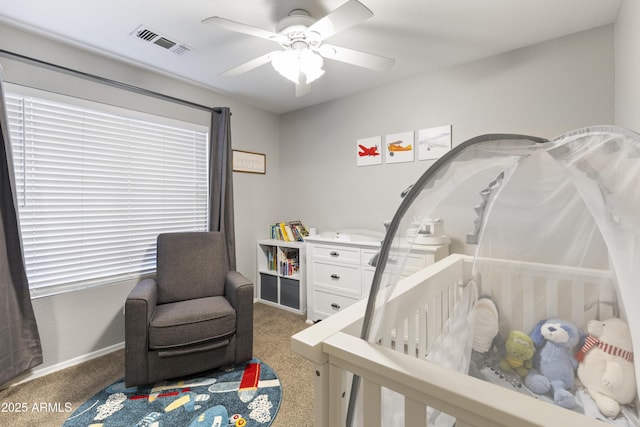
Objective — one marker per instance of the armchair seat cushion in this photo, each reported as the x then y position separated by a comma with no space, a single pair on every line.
190,322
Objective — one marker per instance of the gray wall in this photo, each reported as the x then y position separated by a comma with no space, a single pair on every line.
628,65
75,324
542,90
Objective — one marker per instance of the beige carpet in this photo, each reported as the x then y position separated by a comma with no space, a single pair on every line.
46,399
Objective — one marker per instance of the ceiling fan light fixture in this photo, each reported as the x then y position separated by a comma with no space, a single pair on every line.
311,65
291,64
286,63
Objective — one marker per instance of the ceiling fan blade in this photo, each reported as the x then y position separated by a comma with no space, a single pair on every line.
345,16
356,57
243,28
248,66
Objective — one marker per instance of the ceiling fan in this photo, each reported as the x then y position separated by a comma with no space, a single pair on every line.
302,38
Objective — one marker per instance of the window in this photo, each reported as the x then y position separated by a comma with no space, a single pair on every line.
95,186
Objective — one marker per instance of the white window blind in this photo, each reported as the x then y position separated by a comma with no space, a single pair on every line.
95,189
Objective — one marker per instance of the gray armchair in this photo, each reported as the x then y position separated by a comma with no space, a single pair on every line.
194,316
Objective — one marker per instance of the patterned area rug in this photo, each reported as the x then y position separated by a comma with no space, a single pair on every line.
248,396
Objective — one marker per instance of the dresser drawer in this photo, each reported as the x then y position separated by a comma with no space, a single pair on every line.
325,303
414,261
367,256
343,278
337,254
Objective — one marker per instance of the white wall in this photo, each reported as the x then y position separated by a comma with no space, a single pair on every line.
542,90
75,324
627,61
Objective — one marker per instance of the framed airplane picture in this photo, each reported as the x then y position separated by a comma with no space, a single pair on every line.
368,151
434,142
399,147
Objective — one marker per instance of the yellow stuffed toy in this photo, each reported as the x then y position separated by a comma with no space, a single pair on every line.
519,351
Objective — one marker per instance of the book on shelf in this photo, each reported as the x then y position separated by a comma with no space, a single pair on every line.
292,231
289,262
272,258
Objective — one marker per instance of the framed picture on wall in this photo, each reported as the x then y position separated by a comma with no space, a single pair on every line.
368,151
399,147
434,142
249,162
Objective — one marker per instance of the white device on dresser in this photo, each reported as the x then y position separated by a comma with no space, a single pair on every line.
339,273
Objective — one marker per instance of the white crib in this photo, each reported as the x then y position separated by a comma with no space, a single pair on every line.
427,298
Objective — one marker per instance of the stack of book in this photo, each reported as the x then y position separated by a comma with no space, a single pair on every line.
292,231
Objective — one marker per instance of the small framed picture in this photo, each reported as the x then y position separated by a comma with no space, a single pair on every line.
434,142
399,147
368,151
249,162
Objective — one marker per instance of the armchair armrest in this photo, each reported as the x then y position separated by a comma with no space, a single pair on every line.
142,299
239,292
237,288
138,310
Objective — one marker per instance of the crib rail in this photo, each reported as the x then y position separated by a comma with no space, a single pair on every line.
527,292
424,384
421,305
309,343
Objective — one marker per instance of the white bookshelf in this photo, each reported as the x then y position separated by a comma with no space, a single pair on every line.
281,274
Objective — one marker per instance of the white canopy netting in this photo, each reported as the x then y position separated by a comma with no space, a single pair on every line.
572,202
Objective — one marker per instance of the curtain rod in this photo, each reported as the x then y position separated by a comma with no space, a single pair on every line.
107,81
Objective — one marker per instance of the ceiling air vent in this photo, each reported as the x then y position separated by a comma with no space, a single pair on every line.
151,36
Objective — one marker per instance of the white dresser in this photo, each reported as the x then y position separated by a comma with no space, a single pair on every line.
339,273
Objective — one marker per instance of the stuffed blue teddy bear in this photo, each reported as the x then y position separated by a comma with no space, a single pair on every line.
554,364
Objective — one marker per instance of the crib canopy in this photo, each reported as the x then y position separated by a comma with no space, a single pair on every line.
571,201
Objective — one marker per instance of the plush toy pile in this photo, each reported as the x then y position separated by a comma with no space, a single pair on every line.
555,359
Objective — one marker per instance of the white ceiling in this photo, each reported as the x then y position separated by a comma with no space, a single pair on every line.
421,35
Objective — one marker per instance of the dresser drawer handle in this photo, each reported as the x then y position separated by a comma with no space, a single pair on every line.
335,277
334,254
393,261
335,306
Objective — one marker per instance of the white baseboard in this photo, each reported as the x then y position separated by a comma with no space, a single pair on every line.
41,372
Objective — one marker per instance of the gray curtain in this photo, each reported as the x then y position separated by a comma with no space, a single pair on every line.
20,348
221,180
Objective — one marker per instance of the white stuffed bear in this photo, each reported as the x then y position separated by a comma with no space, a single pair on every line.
606,369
